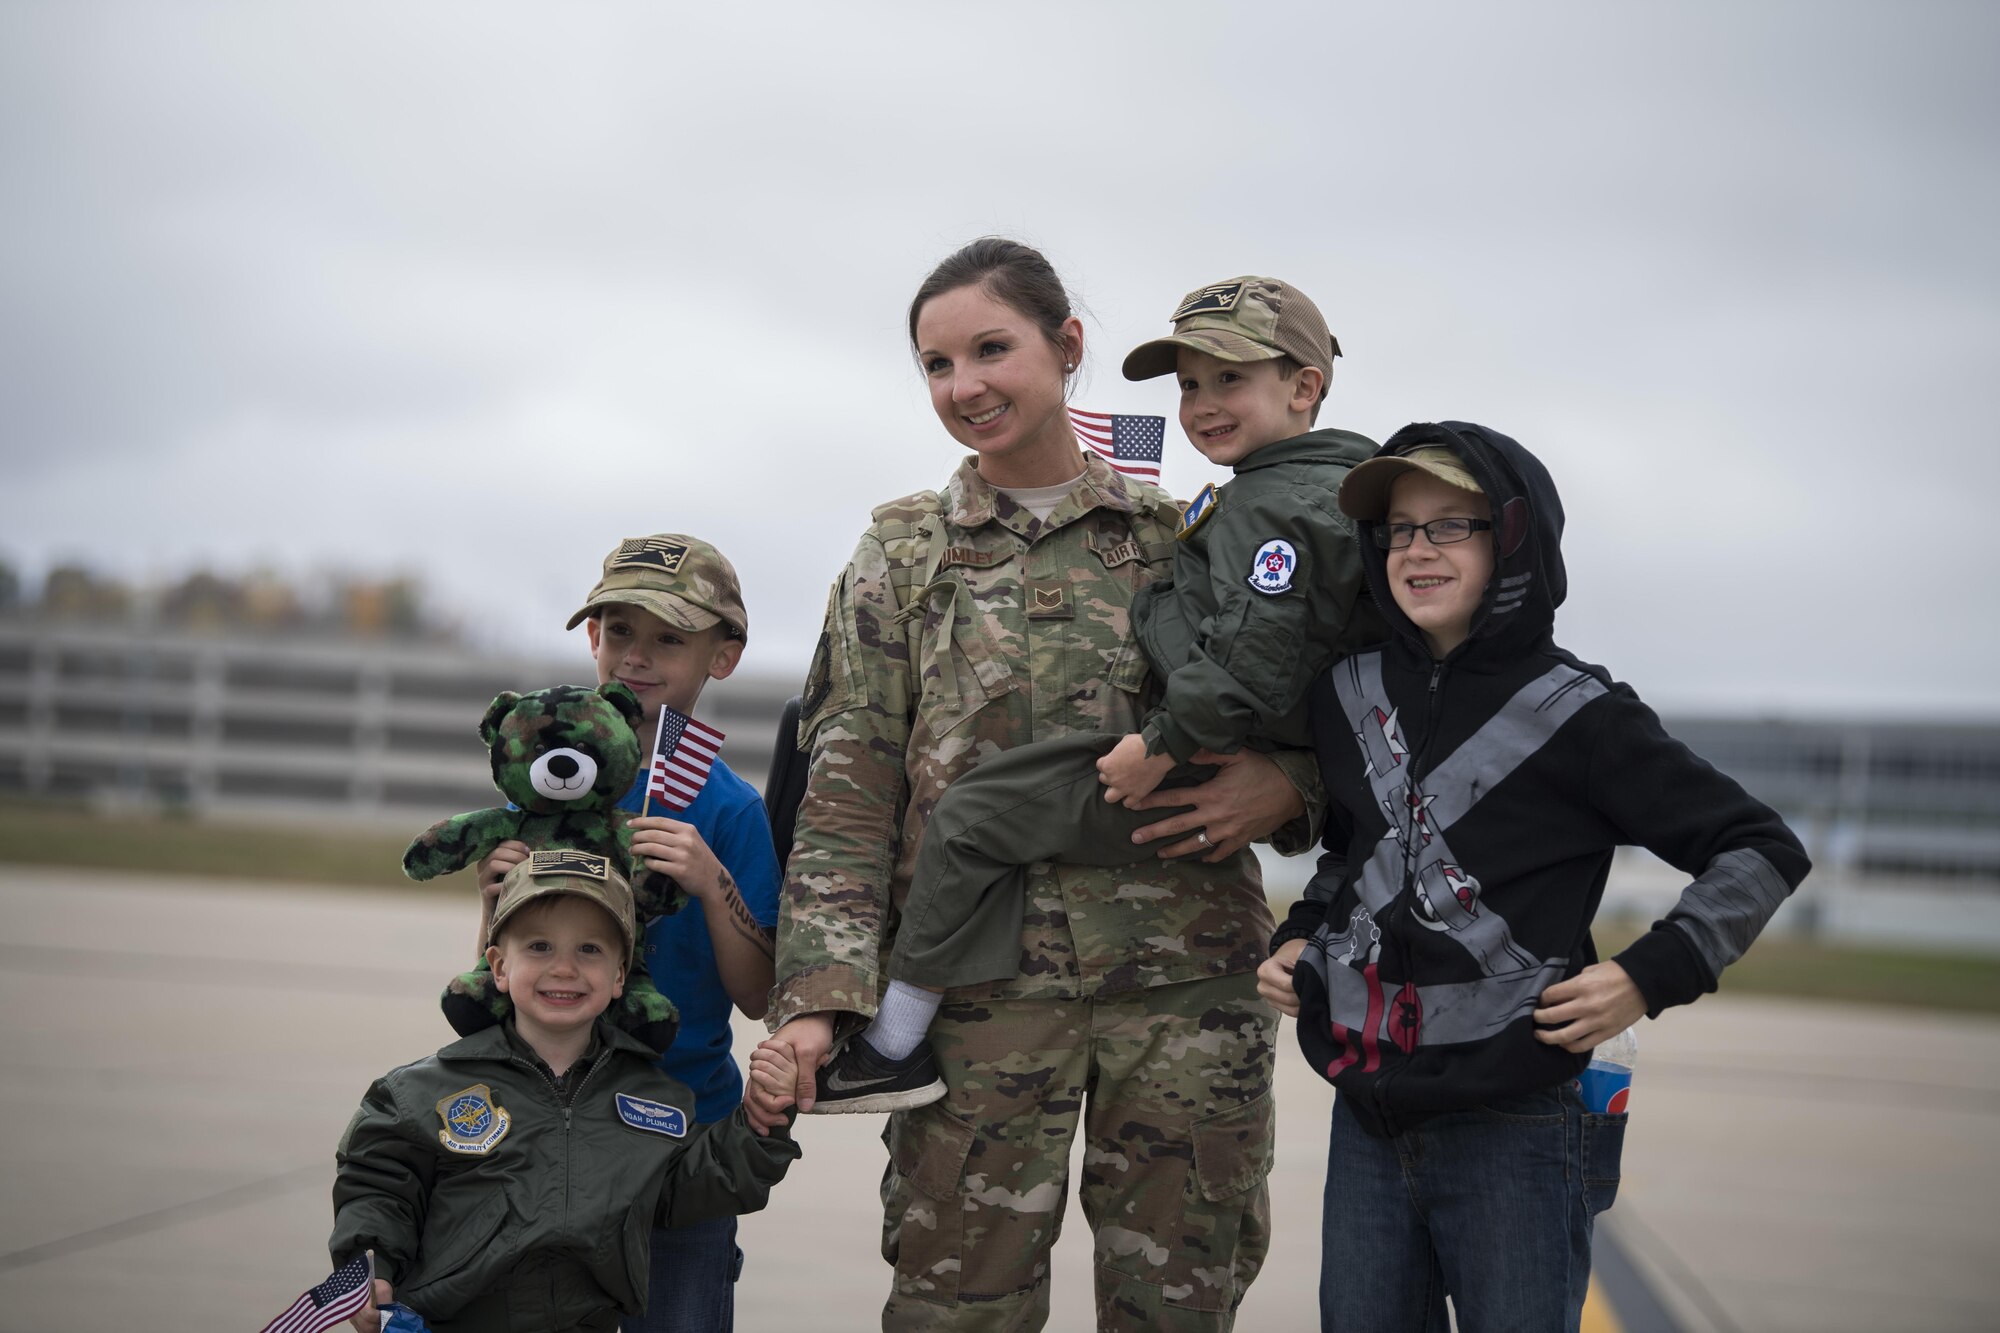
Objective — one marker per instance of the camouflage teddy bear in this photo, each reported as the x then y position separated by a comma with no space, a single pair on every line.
563,756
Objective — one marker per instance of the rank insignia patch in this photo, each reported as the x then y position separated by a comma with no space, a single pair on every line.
1197,509
1048,599
1272,569
589,865
650,553
653,1117
473,1123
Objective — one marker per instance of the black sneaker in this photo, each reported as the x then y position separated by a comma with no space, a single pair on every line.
860,1078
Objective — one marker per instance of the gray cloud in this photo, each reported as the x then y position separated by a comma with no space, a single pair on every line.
478,290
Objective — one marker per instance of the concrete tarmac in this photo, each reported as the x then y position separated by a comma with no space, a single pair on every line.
180,1058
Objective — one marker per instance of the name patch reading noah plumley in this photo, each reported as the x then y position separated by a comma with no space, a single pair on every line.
653,1117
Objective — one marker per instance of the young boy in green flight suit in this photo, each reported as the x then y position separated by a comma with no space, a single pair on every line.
511,1180
1266,591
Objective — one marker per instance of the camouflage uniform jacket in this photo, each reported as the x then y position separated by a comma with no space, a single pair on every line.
1267,590
963,627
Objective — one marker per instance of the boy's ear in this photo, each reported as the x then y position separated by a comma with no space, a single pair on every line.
593,626
727,654
1306,385
489,726
495,962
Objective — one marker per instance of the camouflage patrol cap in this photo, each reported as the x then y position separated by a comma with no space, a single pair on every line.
580,874
682,580
1242,319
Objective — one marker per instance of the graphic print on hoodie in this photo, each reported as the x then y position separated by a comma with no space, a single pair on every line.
1475,805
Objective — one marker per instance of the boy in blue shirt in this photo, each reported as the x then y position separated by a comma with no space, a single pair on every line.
666,618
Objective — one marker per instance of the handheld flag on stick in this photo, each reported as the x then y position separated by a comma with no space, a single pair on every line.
682,753
332,1302
1132,445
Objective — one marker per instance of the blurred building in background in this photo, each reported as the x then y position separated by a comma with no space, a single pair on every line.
248,699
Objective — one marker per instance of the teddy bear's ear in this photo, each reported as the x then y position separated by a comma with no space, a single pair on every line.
622,698
489,726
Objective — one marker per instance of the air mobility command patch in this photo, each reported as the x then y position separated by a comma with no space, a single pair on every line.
661,553
1197,509
653,1117
1272,569
473,1123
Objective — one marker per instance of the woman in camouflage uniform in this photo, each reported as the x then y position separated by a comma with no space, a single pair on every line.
968,622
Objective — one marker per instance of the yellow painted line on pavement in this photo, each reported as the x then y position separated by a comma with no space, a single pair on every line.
1598,1316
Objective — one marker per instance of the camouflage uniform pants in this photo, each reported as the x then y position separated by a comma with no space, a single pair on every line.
1171,1088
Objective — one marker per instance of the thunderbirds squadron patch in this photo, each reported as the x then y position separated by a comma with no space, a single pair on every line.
1272,569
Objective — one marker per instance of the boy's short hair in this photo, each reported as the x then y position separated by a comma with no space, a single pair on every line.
681,579
549,874
1242,319
1364,494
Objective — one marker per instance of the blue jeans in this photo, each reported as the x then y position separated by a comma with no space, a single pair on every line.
692,1287
1493,1205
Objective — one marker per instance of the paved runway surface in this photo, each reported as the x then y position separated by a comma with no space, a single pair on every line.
180,1059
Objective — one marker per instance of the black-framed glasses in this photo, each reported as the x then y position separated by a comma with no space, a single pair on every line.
1438,532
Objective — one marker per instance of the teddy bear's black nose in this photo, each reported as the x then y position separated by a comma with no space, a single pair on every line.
562,766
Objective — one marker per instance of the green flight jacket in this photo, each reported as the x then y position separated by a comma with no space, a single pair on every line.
452,1206
1266,592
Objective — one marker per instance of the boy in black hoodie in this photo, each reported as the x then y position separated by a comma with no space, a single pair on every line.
1440,964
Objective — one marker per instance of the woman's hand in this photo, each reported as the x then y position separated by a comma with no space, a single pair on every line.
810,1037
1274,978
1248,798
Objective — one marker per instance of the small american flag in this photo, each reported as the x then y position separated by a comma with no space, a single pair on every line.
682,754
1132,445
331,1302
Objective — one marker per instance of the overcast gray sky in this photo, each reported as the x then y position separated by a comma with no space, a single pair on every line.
474,291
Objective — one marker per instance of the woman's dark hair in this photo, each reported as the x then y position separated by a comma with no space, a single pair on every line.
1013,273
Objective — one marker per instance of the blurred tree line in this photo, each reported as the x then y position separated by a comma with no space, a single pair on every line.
262,601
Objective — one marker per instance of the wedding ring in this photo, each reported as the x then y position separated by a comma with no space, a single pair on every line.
1201,836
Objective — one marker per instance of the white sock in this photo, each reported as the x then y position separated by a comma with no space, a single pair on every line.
903,1019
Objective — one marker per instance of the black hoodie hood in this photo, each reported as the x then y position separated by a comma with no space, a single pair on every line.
1528,583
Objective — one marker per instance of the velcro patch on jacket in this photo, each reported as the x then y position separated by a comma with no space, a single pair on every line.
1049,599
473,1121
1124,553
1271,569
971,557
1197,509
653,1117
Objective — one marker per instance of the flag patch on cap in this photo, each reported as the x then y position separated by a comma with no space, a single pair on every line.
586,864
650,553
1222,296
